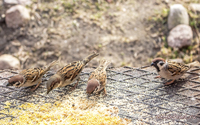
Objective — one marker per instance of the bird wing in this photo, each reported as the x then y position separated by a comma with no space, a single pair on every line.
177,68
100,75
92,75
71,71
102,80
33,74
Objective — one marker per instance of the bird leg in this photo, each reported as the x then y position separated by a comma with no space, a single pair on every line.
104,90
32,90
78,79
168,83
157,77
17,84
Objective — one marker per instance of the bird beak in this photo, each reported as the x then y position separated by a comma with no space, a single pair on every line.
152,64
88,92
48,91
8,84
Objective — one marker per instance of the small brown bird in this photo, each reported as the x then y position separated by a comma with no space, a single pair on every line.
29,77
68,74
98,78
171,70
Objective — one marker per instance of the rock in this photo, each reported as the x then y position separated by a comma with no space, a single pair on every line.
15,2
177,60
9,62
180,36
17,16
195,7
2,43
177,15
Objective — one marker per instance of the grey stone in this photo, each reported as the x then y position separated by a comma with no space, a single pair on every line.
2,43
177,15
177,60
194,7
180,36
17,16
15,2
9,62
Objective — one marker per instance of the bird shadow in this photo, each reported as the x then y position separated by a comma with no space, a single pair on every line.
173,88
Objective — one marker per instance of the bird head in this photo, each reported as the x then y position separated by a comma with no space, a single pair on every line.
15,79
53,82
158,63
92,86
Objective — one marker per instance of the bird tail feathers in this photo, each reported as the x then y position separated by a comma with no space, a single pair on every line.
90,57
194,64
51,65
104,63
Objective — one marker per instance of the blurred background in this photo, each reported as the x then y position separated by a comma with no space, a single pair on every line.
126,32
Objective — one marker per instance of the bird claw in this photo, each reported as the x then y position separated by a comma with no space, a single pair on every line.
33,89
157,77
105,95
168,83
74,87
36,87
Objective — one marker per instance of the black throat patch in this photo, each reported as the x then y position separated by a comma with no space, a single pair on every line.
156,65
157,68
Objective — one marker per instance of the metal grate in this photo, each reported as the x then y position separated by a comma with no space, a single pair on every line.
133,90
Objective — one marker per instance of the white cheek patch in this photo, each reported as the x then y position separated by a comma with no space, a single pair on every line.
166,66
159,66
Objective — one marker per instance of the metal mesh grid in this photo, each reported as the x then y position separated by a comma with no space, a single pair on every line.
133,90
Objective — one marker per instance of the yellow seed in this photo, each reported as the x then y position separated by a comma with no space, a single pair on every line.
83,113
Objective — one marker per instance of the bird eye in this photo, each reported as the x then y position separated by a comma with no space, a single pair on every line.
161,63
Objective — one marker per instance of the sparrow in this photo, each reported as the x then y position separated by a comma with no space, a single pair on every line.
29,77
68,74
98,79
171,70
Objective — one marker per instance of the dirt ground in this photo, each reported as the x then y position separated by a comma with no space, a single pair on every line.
125,32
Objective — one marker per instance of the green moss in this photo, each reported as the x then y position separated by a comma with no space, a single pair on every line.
100,45
176,53
56,8
190,47
123,63
192,23
96,16
165,12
